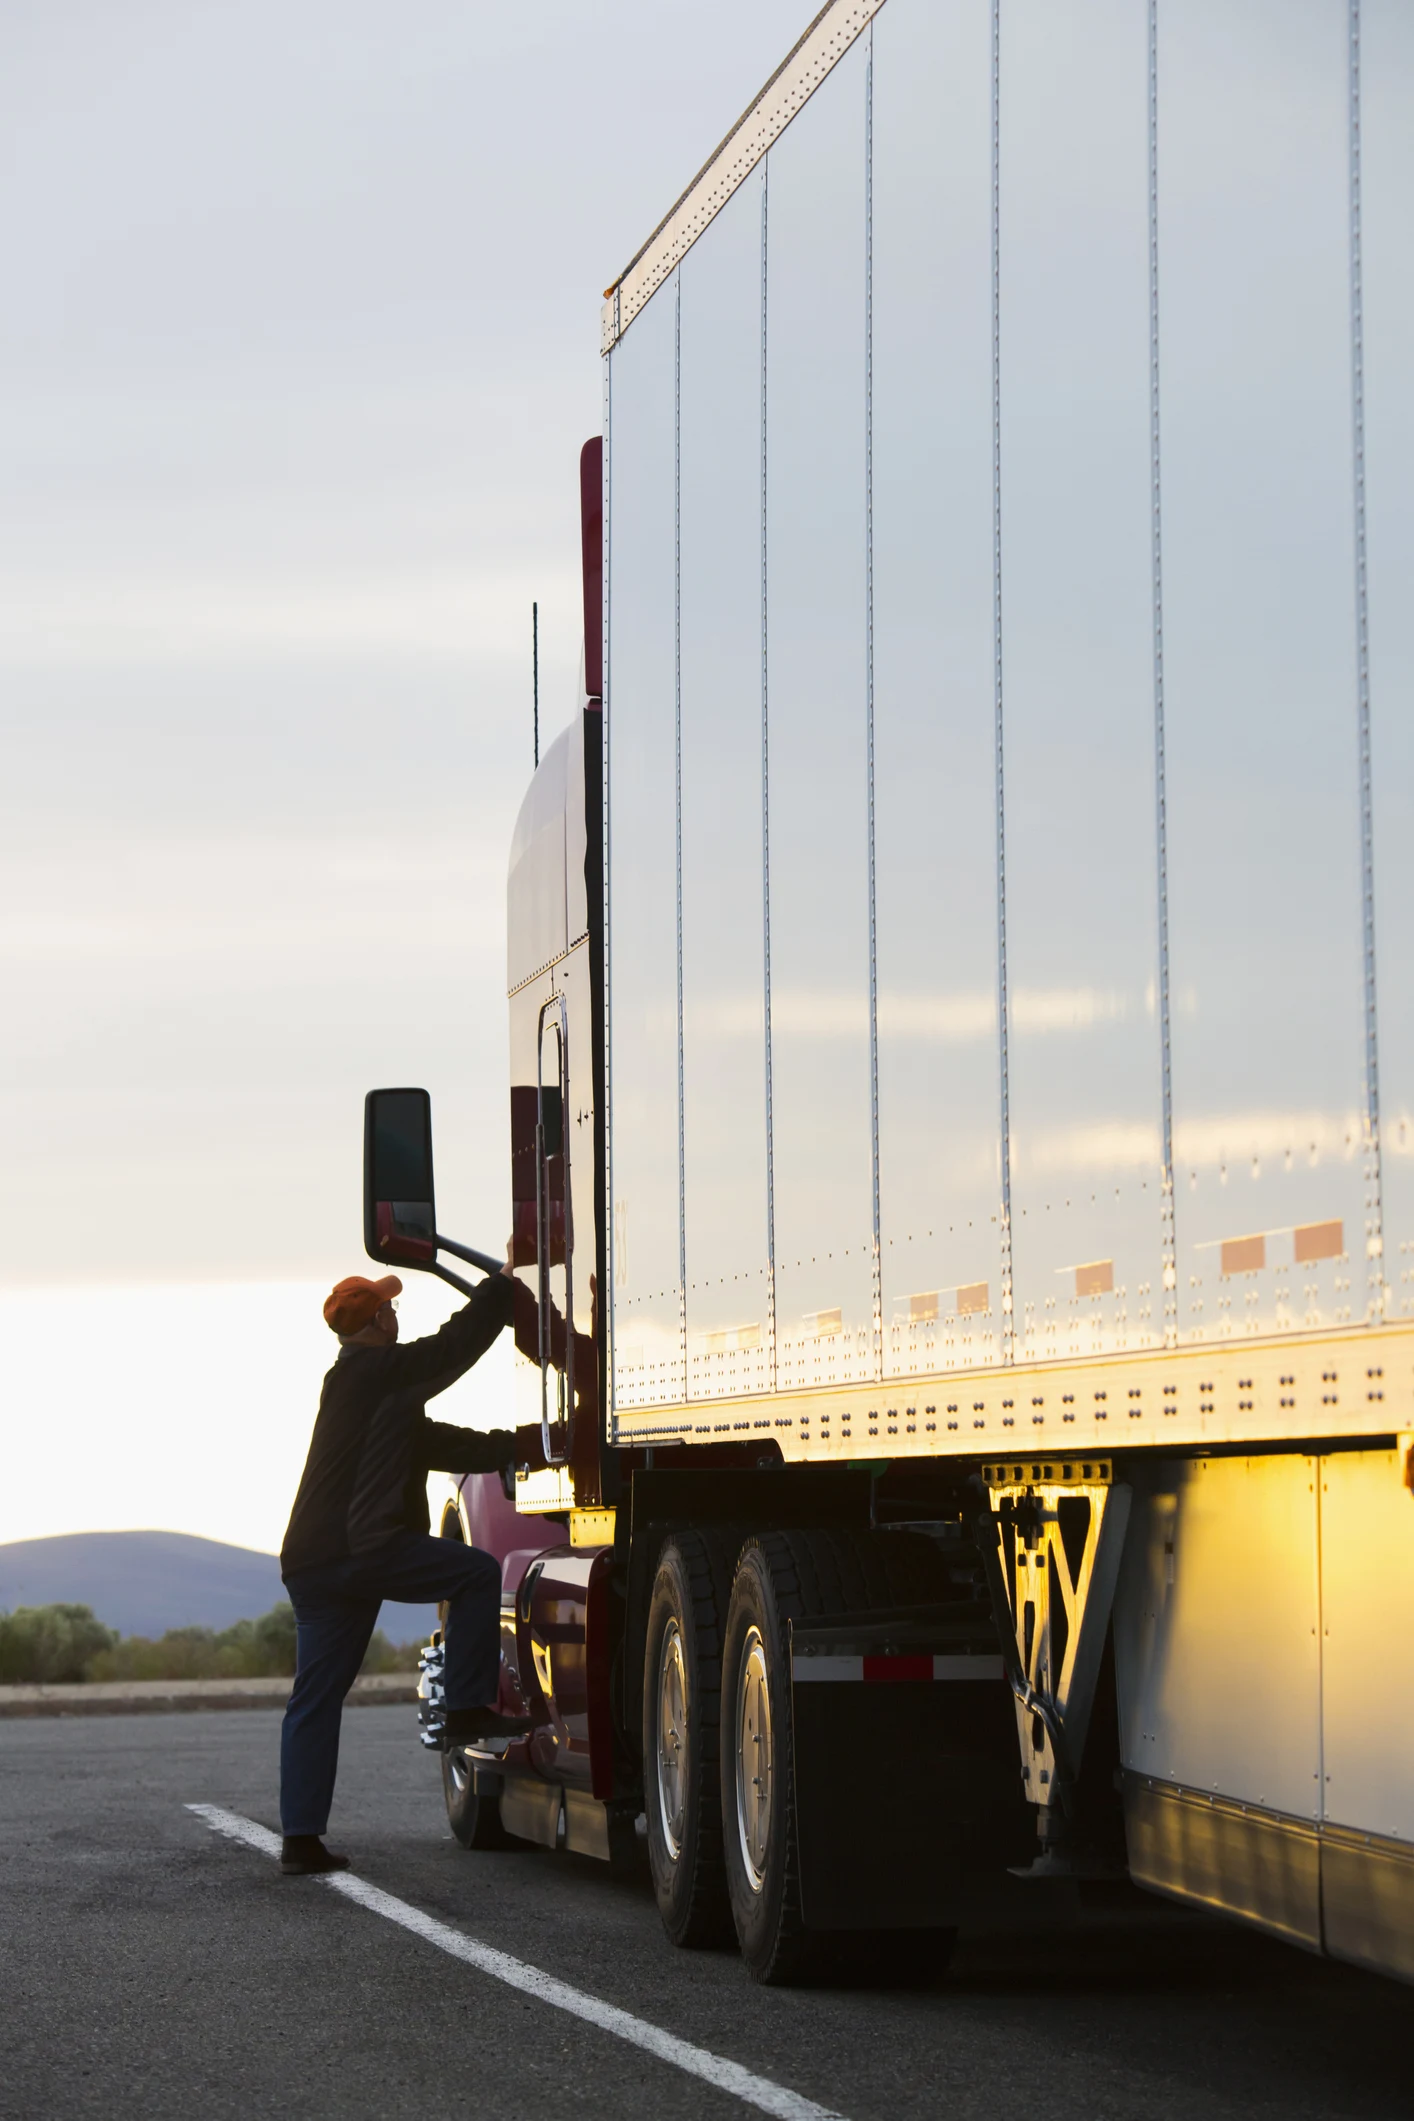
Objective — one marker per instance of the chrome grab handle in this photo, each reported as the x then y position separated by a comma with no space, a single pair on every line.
565,1379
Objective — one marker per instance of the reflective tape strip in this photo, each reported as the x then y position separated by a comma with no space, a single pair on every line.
985,1667
882,1671
816,1668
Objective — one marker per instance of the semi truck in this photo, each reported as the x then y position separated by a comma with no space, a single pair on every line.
961,1049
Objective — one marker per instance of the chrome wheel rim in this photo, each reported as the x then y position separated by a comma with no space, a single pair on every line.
754,1758
672,1738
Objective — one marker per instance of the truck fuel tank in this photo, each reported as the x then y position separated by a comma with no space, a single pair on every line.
564,1652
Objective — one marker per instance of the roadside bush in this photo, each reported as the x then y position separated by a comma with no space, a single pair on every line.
385,1656
52,1644
252,1649
49,1644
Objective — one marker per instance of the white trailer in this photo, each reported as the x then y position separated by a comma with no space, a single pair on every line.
1008,1041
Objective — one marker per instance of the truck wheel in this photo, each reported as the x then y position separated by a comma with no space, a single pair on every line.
681,1683
758,1827
476,1821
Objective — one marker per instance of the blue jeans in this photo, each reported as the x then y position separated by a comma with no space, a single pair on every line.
336,1610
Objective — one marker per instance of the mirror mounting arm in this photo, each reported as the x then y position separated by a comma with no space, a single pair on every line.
473,1259
445,1274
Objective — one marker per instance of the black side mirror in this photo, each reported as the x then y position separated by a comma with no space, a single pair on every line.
399,1204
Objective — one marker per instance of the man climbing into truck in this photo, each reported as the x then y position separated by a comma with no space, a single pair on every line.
359,1533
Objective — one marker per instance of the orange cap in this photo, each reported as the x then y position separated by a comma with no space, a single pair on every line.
352,1302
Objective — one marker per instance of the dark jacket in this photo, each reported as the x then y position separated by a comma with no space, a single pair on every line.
365,1479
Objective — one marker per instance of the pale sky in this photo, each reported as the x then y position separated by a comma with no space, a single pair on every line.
298,348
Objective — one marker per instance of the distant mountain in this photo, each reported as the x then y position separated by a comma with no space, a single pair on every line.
143,1583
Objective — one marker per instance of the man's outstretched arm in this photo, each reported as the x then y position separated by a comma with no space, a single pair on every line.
449,1449
437,1360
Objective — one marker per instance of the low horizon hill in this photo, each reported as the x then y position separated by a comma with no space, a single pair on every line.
145,1582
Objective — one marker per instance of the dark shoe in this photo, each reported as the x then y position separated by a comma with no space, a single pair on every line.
305,1856
465,1726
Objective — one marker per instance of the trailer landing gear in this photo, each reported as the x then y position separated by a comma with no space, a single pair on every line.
1051,1537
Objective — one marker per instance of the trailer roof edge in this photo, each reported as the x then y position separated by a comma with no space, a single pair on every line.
793,83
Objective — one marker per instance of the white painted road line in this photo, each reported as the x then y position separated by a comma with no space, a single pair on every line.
700,2062
239,1829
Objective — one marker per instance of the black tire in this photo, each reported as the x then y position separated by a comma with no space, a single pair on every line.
682,1666
476,1821
780,1577
758,1812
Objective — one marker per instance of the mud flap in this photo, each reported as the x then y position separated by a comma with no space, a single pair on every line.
906,1772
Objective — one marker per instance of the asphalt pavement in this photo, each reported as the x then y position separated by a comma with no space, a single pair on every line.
153,1966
